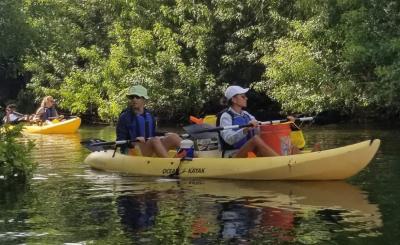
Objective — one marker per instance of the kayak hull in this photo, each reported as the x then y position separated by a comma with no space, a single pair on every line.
64,127
334,164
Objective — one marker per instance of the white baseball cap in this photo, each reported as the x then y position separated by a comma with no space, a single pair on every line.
234,90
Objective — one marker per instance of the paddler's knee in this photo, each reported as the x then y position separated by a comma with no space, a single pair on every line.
257,139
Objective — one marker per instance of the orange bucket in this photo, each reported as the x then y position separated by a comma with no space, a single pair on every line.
277,137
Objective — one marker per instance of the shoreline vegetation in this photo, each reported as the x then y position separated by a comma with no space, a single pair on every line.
298,57
16,164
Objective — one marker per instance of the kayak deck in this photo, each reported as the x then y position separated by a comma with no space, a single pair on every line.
333,164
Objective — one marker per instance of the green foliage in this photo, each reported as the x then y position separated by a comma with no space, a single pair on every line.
337,55
151,52
309,56
15,163
15,32
297,75
16,38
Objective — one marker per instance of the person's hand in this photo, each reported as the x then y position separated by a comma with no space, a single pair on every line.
254,123
141,139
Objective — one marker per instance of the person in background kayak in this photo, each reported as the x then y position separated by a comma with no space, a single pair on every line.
13,117
47,111
237,143
137,124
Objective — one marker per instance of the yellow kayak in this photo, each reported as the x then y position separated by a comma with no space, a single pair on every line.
333,164
63,127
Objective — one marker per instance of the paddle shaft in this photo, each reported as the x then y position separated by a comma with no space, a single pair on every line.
216,129
123,142
19,115
118,142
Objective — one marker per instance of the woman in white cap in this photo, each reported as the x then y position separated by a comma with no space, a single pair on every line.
238,142
137,124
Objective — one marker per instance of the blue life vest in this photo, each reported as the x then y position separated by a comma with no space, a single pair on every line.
236,120
48,112
130,126
142,125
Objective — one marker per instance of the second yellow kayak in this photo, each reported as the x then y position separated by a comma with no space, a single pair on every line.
63,127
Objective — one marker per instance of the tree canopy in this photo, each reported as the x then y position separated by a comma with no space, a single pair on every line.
307,56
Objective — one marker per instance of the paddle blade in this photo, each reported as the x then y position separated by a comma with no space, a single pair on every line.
96,145
201,131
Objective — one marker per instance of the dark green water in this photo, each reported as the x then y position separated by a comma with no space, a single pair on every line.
68,203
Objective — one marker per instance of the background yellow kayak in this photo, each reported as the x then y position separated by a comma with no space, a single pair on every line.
63,127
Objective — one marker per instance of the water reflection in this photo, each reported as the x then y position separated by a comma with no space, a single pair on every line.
56,154
241,211
237,220
289,210
55,148
137,212
289,194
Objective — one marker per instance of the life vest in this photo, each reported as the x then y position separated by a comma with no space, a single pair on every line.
13,117
142,125
236,120
48,112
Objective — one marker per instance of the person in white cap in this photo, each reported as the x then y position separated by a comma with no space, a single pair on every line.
137,124
238,142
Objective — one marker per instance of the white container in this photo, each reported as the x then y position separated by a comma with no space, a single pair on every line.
186,148
186,144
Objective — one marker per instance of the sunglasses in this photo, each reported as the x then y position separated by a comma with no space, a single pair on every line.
131,97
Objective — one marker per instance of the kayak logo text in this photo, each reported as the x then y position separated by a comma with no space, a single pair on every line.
184,170
168,170
196,170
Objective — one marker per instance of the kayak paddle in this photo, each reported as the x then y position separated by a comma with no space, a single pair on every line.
201,129
102,145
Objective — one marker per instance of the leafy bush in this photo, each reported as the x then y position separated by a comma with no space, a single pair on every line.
15,163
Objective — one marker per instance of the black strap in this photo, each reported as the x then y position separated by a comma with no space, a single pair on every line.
135,123
147,124
224,146
146,127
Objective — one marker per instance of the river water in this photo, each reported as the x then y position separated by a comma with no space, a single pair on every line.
69,203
